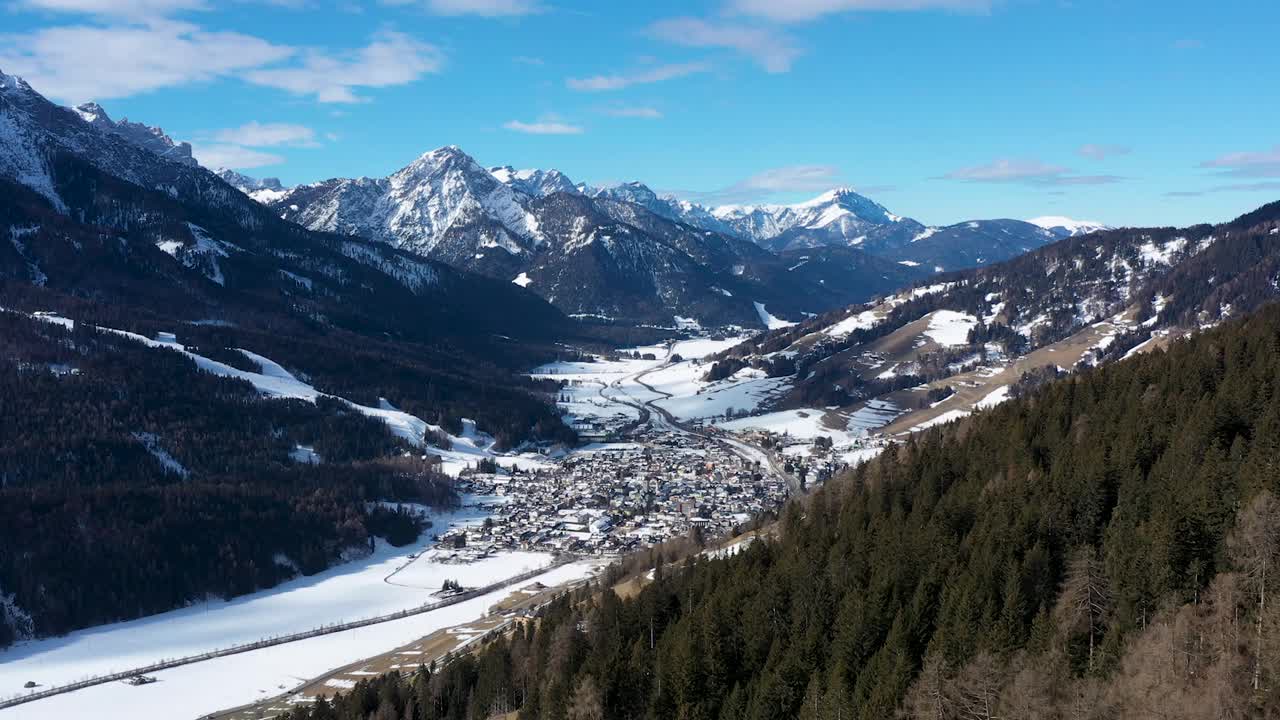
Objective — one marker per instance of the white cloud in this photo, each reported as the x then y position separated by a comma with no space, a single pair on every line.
633,112
256,134
792,178
392,58
545,127
484,8
802,10
598,83
1253,164
74,63
235,157
1102,152
114,8
84,62
1029,172
774,181
772,50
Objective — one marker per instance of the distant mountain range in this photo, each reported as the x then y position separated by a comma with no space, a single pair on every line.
621,253
626,253
963,340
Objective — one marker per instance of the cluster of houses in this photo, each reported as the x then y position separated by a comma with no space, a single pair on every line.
620,498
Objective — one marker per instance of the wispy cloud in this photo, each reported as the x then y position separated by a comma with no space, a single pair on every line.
544,127
1252,164
1026,172
1265,186
240,148
804,10
256,134
392,58
484,8
771,49
235,157
618,81
633,112
140,9
765,184
1102,152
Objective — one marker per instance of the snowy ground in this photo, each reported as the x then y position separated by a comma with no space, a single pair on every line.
608,390
384,582
223,683
770,321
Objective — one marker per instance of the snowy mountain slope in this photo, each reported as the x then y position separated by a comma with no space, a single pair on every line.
443,205
970,244
839,216
90,211
534,183
503,223
144,136
264,190
945,347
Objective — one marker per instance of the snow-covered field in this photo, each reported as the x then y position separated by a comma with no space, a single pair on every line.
195,690
381,583
799,424
608,390
949,328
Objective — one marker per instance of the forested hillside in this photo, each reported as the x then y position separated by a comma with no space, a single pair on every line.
1102,547
132,483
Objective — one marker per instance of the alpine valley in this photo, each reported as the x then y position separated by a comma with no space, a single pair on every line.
487,443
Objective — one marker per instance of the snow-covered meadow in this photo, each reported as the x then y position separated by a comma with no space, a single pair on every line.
609,390
222,683
388,580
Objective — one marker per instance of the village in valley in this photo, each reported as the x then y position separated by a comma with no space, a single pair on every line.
649,477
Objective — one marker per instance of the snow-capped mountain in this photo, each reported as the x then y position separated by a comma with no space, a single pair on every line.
95,213
619,253
1067,227
838,216
842,217
144,136
443,205
264,190
534,183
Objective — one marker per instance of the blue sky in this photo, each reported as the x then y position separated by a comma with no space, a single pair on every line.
1135,112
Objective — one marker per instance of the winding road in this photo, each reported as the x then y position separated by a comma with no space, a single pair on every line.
660,418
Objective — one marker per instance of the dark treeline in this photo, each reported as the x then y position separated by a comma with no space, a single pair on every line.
132,483
1101,547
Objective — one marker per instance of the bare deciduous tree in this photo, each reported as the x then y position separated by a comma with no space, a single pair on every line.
1086,597
1255,545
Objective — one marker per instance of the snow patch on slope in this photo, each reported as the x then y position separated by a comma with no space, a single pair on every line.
771,322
